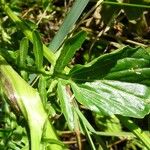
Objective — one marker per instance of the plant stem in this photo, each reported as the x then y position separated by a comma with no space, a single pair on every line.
126,4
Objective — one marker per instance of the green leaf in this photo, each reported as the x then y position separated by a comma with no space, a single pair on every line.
114,97
87,133
37,49
85,124
68,24
100,66
23,51
68,50
135,69
65,97
28,32
42,85
127,64
83,119
128,123
26,100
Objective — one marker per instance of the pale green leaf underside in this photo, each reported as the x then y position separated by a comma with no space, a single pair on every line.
114,97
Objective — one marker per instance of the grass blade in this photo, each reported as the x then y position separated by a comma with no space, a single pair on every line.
37,49
128,123
26,100
68,23
126,4
23,51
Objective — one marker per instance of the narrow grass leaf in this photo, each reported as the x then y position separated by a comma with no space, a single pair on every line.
23,51
89,128
38,50
136,130
68,24
68,50
87,134
88,125
65,97
42,85
133,5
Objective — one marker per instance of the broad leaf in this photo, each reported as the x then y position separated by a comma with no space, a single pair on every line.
114,97
127,64
135,69
68,50
65,97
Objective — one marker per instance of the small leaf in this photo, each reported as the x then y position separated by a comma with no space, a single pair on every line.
65,98
68,50
37,49
42,85
114,97
23,53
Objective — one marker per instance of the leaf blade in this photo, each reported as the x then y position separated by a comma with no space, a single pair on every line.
23,51
65,101
68,50
28,100
114,97
68,23
37,49
132,62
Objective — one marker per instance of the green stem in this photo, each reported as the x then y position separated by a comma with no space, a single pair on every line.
126,4
136,130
